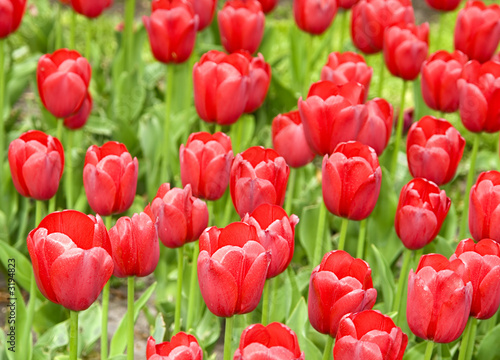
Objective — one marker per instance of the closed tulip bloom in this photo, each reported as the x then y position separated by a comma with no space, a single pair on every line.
110,178
268,5
205,10
443,5
259,72
369,335
79,119
274,341
205,164
314,16
352,178
338,286
71,256
439,299
346,4
439,80
36,163
477,30
258,176
232,268
182,346
352,91
90,8
63,79
484,210
11,14
374,124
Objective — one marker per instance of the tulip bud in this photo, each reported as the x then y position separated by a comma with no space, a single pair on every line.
90,8
12,14
205,10
443,5
268,5
484,207
314,16
346,4
259,73
182,346
353,91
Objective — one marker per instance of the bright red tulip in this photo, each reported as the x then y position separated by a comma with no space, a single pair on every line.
90,8
232,268
352,178
314,16
71,256
36,164
353,91
268,5
182,346
258,176
484,210
443,5
11,15
259,72
346,4
274,341
110,178
369,335
79,119
205,10
338,286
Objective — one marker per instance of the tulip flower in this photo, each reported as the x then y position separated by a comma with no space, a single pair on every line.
274,341
439,299
12,12
258,176
90,8
374,122
36,163
484,209
314,16
353,91
79,119
241,25
259,72
268,5
370,335
477,30
346,4
71,256
443,5
434,148
110,178
182,346
205,10
232,268
338,286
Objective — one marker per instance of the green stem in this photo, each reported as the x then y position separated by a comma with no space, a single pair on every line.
361,239
128,33
69,169
105,307
193,293
428,350
290,191
343,233
328,352
265,303
472,338
227,209
130,318
343,24
72,33
492,322
178,299
319,234
88,39
58,25
462,354
441,27
381,75
309,64
228,338
169,83
73,335
470,180
59,131
2,110
399,129
403,276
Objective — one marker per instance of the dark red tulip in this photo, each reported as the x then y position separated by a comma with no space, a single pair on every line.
439,80
79,119
314,16
182,347
90,8
369,335
351,180
439,299
36,164
274,341
259,72
443,5
338,286
11,15
232,268
110,178
346,4
205,10
71,256
484,210
268,5
353,91
434,148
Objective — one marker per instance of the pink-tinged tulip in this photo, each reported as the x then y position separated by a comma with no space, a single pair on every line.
352,178
439,299
172,30
338,286
353,91
274,341
79,119
11,15
288,129
370,18
420,214
439,80
232,268
346,4
369,335
434,148
405,49
479,91
90,8
258,176
275,232
63,79
205,164
314,16
205,10
268,5
259,72
241,25
483,261
182,346
36,164
71,256
135,245
110,178
477,30
220,79
484,209
181,217
443,5
342,68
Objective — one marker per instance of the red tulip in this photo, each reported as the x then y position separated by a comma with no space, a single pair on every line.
11,15
182,346
443,5
205,10
314,16
477,30
36,164
79,119
259,73
288,129
258,176
434,148
172,30
63,79
351,180
353,91
110,178
241,25
439,299
268,5
338,286
484,210
274,341
71,257
405,49
369,335
205,164
439,80
90,8
346,4
232,268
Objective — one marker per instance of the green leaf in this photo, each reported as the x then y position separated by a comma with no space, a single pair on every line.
242,133
208,330
416,352
489,349
386,280
23,265
297,322
160,329
90,321
54,338
308,229
281,298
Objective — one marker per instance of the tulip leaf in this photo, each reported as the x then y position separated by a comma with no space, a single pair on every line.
90,320
160,328
297,322
489,349
23,265
307,232
54,338
384,275
416,352
280,299
208,330
242,133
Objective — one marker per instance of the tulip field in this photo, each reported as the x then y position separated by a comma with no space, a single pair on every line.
249,179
